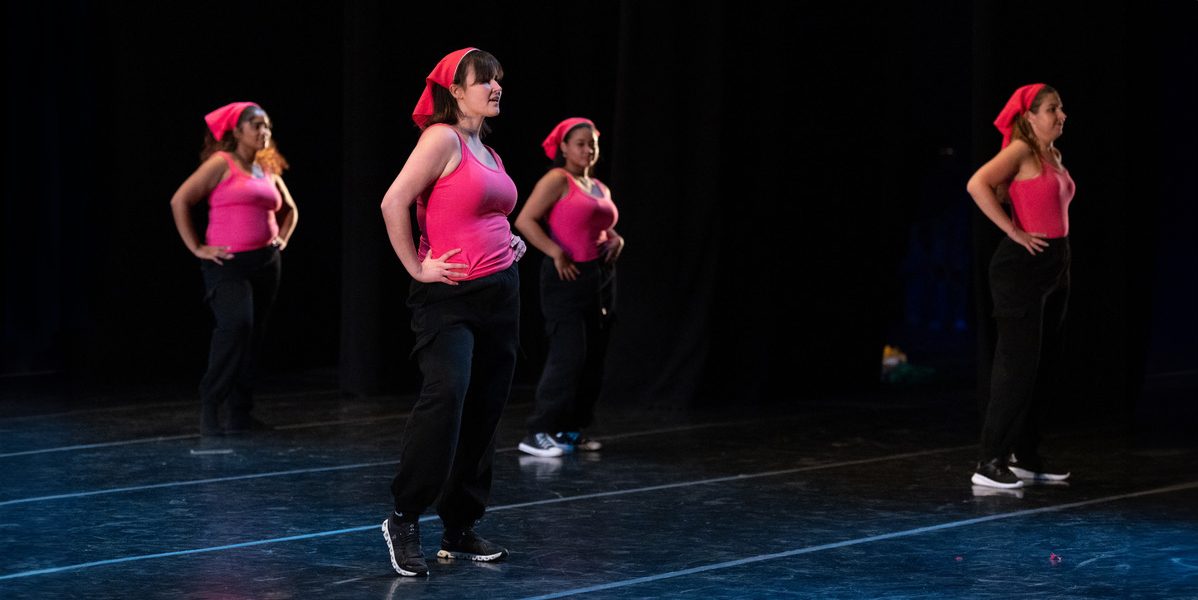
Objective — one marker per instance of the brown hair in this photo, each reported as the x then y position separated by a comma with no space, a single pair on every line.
445,106
269,157
1022,129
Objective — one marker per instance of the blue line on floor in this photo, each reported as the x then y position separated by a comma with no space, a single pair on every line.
292,472
185,436
491,509
123,407
136,488
857,541
161,438
113,561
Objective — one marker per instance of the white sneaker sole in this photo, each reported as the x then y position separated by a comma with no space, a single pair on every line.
391,553
979,479
1034,476
470,556
542,452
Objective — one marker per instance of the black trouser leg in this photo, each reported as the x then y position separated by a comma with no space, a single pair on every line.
598,331
430,438
469,487
240,294
577,317
1016,362
232,304
599,323
265,282
1030,297
467,345
1046,386
557,390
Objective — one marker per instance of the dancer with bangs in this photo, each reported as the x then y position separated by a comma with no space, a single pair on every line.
465,303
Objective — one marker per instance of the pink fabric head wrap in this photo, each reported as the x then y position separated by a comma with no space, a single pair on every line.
224,119
442,75
556,136
1019,103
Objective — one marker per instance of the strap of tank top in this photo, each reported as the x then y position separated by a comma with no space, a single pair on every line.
574,184
464,148
233,168
495,155
461,140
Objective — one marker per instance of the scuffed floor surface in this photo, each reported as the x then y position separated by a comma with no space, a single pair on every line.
114,496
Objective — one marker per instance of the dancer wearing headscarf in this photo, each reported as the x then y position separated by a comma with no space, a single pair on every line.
571,218
465,303
1029,281
251,217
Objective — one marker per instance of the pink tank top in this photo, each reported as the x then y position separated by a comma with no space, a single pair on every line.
579,221
468,209
241,211
1041,204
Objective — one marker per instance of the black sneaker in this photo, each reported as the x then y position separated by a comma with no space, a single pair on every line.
577,441
403,544
464,543
993,473
1035,469
540,444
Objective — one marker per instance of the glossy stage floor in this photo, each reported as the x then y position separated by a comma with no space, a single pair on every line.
112,495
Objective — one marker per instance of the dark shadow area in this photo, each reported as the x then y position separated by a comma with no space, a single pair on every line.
791,184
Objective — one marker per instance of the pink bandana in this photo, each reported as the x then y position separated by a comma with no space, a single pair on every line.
554,141
224,119
1018,104
442,75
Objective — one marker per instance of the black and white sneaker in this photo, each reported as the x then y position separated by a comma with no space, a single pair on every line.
1035,469
403,544
577,441
540,444
993,473
466,544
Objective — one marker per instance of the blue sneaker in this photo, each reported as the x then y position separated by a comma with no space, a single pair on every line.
576,441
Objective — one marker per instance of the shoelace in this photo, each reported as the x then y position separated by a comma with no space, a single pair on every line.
409,538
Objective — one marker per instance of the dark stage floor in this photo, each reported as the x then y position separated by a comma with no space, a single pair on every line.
111,496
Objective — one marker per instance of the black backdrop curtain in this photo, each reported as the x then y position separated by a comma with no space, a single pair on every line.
767,162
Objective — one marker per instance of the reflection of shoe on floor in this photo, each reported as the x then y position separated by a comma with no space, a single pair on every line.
993,473
403,544
540,467
466,544
210,421
575,440
540,444
983,491
247,425
1035,469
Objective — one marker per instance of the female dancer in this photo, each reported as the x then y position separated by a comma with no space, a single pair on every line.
465,303
240,175
571,218
1029,280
